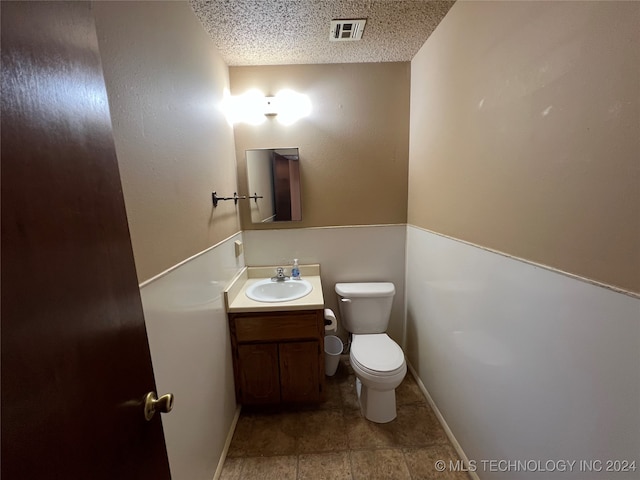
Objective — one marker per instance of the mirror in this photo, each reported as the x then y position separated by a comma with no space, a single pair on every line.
273,176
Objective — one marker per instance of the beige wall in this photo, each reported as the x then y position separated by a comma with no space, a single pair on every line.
165,81
353,147
525,124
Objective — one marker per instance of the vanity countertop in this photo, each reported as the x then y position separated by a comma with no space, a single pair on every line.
236,300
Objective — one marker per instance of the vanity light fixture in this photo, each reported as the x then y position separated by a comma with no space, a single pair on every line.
291,106
245,108
253,107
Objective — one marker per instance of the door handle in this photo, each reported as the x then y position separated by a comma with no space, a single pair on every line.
152,404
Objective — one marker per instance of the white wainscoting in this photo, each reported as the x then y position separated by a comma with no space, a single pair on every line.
524,363
345,254
191,353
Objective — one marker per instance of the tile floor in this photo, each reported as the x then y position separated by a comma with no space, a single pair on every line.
334,440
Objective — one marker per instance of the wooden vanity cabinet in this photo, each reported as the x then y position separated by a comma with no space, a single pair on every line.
278,357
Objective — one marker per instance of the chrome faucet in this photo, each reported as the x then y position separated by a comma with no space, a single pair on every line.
280,276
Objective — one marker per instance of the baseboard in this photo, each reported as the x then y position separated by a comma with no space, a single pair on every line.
447,430
227,443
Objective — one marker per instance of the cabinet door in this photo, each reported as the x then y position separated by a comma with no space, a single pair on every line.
258,373
299,372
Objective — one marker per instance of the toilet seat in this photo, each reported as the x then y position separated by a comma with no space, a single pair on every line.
377,354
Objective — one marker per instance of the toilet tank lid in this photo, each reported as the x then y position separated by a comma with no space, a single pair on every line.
365,289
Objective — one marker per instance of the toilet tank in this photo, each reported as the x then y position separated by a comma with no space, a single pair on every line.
365,307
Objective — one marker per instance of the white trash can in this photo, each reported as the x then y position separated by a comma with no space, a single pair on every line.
332,351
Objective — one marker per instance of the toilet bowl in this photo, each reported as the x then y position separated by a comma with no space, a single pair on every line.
378,362
379,365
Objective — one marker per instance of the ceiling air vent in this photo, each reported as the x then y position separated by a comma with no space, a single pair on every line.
346,30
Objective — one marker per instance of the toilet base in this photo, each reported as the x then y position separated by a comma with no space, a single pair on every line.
378,406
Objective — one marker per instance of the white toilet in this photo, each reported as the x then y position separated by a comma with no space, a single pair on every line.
377,360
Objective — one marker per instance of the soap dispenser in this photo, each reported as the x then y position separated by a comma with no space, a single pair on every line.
295,271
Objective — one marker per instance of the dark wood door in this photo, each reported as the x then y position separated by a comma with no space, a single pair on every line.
75,357
299,372
259,376
281,188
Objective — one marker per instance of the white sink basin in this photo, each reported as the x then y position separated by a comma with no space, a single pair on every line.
269,291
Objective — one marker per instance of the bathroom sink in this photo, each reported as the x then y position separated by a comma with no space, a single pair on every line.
269,291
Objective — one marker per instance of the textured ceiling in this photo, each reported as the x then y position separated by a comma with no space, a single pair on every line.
281,32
